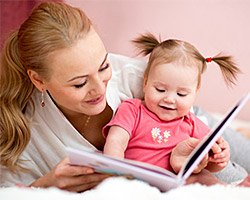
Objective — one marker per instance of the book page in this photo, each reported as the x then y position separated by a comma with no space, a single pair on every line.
156,176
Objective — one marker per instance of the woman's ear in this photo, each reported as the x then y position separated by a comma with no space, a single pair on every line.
36,80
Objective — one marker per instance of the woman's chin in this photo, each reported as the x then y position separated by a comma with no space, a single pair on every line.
98,109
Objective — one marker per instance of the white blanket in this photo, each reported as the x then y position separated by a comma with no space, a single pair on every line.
123,189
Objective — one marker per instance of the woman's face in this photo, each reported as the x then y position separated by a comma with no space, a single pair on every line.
80,75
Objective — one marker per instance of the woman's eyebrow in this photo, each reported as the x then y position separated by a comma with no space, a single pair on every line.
77,78
82,76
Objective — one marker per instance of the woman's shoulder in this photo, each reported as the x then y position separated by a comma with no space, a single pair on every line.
120,62
127,79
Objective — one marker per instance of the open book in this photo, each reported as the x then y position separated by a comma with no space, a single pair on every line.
155,176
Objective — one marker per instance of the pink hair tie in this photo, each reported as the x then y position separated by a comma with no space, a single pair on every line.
209,59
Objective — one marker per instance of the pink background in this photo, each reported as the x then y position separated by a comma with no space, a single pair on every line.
212,26
12,14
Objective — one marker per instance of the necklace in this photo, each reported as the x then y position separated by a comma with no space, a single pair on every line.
85,124
87,121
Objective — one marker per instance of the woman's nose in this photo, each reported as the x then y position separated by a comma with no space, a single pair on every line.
98,85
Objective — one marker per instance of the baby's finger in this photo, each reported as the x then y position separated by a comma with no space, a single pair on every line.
222,164
220,140
218,160
224,145
202,164
222,154
220,157
216,148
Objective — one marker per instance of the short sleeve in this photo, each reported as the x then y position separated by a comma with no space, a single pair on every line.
200,129
125,116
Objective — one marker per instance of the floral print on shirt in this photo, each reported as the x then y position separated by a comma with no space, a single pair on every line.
158,137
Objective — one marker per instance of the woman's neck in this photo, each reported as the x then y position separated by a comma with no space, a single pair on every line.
93,131
90,127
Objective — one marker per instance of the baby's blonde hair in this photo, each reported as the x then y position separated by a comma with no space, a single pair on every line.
174,50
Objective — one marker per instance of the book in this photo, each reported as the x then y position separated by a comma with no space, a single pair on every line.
155,176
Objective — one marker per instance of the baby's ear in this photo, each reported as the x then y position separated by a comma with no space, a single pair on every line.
144,82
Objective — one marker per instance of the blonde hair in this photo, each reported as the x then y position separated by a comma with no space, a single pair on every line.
173,50
51,26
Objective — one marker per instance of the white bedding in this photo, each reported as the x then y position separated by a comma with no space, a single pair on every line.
123,189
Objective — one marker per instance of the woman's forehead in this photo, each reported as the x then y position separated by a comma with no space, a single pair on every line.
85,54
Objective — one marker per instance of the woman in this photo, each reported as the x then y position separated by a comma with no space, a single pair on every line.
57,90
54,93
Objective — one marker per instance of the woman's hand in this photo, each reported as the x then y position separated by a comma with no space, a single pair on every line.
71,178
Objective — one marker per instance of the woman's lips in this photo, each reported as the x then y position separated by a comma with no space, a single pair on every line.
95,100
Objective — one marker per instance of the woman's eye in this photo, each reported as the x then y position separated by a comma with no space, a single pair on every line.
105,67
160,90
80,85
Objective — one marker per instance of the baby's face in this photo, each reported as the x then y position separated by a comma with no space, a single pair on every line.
170,90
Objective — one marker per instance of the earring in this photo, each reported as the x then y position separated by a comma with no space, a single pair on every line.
42,101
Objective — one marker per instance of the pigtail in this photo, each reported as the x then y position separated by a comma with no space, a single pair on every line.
146,43
15,91
228,68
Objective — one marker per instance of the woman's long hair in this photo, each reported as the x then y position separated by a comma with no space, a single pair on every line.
50,27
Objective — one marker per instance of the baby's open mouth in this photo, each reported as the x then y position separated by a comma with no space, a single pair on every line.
167,108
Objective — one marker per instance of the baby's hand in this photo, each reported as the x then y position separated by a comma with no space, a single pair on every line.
220,153
201,165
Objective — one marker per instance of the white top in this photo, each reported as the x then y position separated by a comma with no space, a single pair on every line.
51,131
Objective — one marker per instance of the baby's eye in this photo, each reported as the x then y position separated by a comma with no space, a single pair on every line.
182,94
80,85
159,90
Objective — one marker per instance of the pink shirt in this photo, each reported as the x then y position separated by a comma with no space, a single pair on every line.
152,140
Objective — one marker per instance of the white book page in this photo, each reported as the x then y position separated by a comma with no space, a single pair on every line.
159,177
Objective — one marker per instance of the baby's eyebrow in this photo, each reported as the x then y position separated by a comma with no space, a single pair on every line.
184,89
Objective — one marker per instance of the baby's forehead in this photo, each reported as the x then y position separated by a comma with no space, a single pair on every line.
179,64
